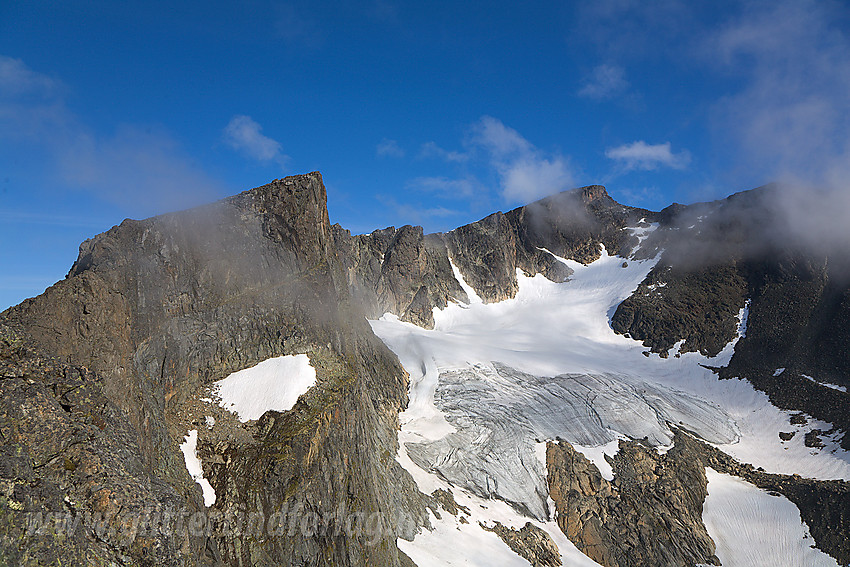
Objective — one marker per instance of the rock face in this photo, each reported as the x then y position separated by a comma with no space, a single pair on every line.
158,309
651,514
717,256
529,542
75,487
407,273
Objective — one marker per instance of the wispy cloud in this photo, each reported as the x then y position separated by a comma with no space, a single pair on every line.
526,173
297,27
792,117
640,155
604,82
140,168
432,150
17,79
244,134
415,213
389,148
446,188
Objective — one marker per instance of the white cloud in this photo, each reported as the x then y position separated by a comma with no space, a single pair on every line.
605,81
431,149
526,173
640,155
389,148
242,133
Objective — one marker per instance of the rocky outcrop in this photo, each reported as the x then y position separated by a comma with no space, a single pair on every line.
75,489
407,273
529,542
650,514
158,309
401,271
698,306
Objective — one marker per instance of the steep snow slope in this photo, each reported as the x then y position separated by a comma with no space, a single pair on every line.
511,355
734,514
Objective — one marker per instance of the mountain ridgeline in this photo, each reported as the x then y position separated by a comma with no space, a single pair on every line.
105,372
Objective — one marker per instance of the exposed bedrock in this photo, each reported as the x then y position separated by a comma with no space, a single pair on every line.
501,413
529,542
649,515
159,308
407,273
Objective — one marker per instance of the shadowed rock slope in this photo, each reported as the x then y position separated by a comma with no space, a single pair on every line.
717,258
151,313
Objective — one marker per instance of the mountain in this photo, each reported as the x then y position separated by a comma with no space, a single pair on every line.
574,380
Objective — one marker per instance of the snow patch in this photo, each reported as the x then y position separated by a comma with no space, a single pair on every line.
596,455
473,296
274,384
753,528
824,384
778,371
193,465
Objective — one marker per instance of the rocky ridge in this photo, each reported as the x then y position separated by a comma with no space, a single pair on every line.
649,515
158,309
408,273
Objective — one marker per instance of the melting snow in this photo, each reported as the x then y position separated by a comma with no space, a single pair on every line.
273,384
193,465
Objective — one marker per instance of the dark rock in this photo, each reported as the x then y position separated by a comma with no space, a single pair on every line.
799,419
787,436
812,439
529,542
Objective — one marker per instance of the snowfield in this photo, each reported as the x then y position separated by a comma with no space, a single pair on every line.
491,380
273,384
193,465
735,515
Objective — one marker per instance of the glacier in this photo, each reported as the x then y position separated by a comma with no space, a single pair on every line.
491,382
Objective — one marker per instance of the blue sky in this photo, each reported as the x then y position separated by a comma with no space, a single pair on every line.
424,113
